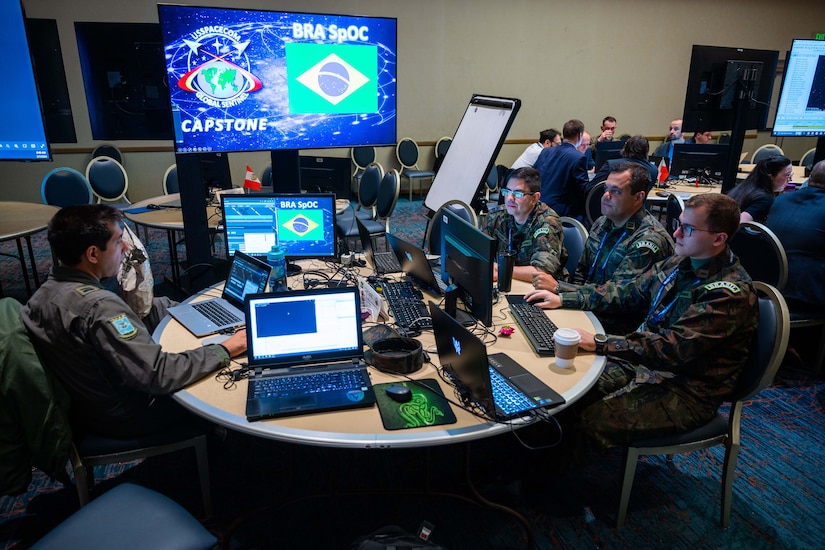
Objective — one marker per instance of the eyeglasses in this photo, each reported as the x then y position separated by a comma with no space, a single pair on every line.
689,229
516,194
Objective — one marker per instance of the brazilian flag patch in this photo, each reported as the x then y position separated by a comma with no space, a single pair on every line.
123,326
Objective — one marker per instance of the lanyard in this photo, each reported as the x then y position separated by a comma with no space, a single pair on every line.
651,318
606,259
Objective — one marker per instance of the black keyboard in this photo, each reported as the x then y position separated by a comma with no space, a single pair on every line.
302,384
216,313
406,304
535,325
386,262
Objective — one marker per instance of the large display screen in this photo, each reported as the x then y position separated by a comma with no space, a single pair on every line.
801,110
252,80
22,133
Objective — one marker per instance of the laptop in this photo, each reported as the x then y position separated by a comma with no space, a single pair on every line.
381,262
305,353
496,383
415,264
247,275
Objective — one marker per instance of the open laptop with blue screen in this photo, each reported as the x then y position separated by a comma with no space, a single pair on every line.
495,383
247,275
305,353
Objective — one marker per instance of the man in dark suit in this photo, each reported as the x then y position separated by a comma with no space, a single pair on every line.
563,172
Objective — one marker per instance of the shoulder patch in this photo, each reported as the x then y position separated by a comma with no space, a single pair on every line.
86,289
123,326
644,243
541,231
733,287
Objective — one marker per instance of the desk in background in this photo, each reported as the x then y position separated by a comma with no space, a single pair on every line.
362,428
21,220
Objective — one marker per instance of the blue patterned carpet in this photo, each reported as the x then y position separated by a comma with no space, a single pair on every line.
261,488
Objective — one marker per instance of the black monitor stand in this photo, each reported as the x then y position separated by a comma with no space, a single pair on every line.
286,171
451,296
744,92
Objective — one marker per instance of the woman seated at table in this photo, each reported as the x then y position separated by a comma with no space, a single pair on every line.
755,194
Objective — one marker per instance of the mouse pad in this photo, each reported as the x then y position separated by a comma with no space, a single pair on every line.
428,407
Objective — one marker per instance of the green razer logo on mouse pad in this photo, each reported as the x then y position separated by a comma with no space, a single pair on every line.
426,408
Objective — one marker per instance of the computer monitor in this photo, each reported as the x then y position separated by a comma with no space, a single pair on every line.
801,110
467,257
608,150
304,224
699,160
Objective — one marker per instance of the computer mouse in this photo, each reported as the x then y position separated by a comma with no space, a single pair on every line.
400,394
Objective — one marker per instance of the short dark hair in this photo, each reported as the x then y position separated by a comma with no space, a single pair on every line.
530,176
572,128
636,147
722,211
639,175
608,119
549,134
75,228
817,178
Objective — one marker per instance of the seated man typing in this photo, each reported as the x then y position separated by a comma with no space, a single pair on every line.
529,227
118,378
700,309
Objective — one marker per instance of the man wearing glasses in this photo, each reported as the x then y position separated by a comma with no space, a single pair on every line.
700,314
529,227
622,244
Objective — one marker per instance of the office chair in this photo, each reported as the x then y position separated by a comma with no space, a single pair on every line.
108,150
361,158
368,195
406,151
766,353
66,187
170,180
575,237
440,150
108,179
433,236
129,517
673,209
266,178
807,159
761,253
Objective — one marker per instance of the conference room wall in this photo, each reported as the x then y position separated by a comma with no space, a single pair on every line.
581,59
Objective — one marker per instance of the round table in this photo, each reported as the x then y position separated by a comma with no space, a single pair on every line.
21,220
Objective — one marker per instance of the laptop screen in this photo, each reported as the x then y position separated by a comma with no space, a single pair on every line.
303,326
247,275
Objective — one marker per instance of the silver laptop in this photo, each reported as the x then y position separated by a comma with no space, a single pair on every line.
305,351
247,275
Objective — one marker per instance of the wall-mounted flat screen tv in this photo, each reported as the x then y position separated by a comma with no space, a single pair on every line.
254,80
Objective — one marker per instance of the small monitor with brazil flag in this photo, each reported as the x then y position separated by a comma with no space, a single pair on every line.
304,224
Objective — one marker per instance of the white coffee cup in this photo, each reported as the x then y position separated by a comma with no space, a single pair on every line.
567,346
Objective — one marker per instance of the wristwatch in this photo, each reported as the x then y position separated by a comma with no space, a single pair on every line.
600,340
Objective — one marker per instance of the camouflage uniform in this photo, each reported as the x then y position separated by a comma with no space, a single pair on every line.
620,254
540,241
673,372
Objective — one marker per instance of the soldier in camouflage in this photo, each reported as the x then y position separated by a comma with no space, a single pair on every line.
673,372
529,227
622,244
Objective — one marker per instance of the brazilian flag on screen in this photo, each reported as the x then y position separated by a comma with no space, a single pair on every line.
301,225
332,78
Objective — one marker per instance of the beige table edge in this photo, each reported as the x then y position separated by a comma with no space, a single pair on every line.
362,428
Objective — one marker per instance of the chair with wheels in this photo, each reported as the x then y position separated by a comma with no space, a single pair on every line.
593,203
66,187
761,253
108,179
170,180
766,353
406,151
766,151
129,517
575,237
108,150
433,236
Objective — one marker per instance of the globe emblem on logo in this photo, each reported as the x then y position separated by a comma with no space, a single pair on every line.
333,79
220,80
300,225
